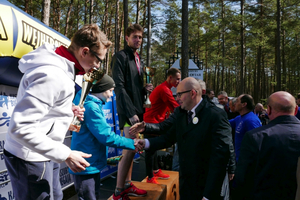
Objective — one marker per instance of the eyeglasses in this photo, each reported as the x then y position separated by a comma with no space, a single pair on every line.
94,53
180,93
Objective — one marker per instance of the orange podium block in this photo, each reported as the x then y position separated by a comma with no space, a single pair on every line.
154,191
172,184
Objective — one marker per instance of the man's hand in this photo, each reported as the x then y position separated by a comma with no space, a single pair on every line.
230,176
139,144
133,120
149,87
137,128
76,161
78,112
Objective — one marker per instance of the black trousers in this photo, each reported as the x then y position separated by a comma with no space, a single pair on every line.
151,162
150,159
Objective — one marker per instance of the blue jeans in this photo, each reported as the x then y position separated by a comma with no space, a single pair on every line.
87,186
33,180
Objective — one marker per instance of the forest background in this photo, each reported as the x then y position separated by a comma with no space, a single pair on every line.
246,46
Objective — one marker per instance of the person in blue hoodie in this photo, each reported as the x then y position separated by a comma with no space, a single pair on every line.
94,137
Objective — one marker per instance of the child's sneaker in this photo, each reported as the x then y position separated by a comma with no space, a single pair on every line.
134,191
152,180
122,196
161,175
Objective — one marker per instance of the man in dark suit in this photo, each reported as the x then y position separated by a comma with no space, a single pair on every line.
269,154
203,138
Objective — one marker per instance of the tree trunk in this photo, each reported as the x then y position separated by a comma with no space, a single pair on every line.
108,36
85,11
30,8
149,35
144,24
257,84
91,11
137,19
223,45
78,15
68,17
297,59
258,76
218,76
106,16
120,30
26,6
283,56
57,14
218,64
46,11
242,89
125,8
206,65
215,78
117,47
264,83
278,57
237,88
185,39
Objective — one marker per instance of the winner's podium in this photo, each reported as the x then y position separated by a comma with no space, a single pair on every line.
154,191
165,190
172,184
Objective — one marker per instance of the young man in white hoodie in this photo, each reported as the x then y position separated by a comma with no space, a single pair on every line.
34,142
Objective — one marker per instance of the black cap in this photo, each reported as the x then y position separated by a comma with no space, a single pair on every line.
106,83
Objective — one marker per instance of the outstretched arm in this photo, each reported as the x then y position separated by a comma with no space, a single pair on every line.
76,161
137,128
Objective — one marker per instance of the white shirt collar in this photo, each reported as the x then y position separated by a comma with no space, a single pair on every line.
194,108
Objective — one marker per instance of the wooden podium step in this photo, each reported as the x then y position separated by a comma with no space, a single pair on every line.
172,184
154,191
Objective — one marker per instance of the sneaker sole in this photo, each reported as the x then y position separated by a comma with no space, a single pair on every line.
162,178
136,195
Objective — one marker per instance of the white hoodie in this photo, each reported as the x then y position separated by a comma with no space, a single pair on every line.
43,112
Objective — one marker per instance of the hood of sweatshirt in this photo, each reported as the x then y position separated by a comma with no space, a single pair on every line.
43,56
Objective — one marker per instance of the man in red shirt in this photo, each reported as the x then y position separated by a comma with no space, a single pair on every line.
162,102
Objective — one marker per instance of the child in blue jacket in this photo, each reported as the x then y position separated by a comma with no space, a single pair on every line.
94,137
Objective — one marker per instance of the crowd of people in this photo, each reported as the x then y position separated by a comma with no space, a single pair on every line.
232,143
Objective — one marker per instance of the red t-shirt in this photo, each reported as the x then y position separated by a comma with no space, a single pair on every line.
162,101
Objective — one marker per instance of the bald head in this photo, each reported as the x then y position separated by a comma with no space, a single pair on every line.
190,83
259,108
189,93
259,105
281,103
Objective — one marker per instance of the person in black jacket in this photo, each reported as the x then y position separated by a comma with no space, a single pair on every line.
269,154
203,138
127,73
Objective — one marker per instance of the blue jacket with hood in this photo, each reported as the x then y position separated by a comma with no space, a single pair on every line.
95,136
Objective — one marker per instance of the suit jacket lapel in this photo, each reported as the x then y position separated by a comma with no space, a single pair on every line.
191,125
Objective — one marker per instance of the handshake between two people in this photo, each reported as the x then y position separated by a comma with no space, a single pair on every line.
134,133
76,160
139,144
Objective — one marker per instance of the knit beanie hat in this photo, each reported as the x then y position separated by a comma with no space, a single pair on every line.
106,83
